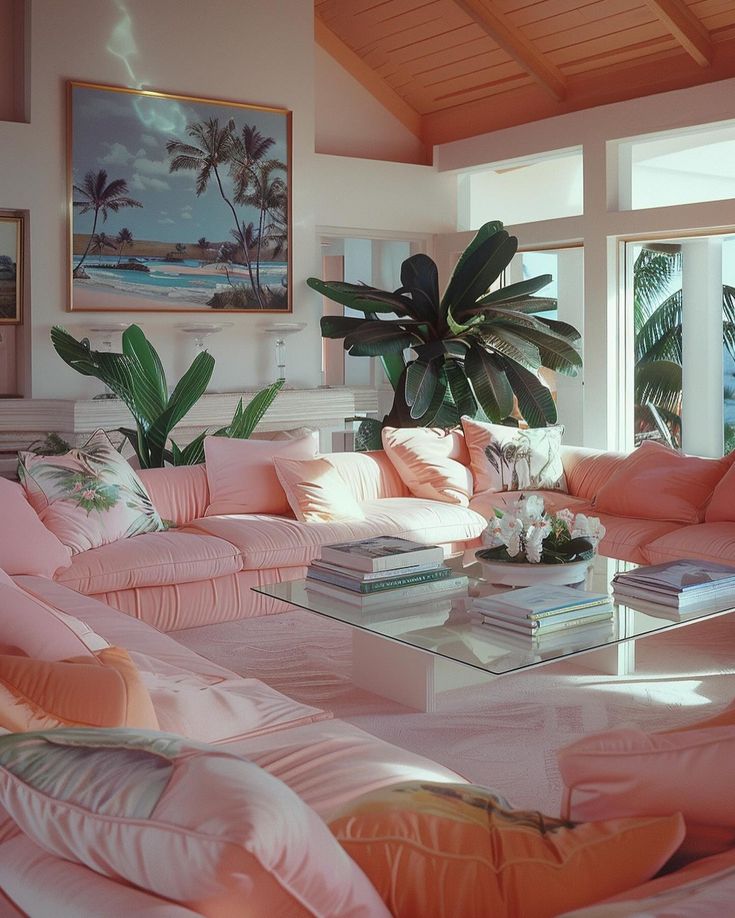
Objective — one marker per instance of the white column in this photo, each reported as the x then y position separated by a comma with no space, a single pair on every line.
358,255
569,389
702,412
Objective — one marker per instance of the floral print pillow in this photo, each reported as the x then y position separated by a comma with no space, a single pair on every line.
88,497
514,459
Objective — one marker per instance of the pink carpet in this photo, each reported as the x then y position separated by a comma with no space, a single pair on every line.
503,734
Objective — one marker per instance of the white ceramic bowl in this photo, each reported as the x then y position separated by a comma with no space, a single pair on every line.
508,573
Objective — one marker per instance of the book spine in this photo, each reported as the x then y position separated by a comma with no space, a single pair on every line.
380,586
353,574
417,591
386,563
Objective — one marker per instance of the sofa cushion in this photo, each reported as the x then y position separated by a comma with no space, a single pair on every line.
241,475
657,483
315,490
587,469
35,629
627,772
157,558
700,890
706,541
268,541
433,462
628,539
438,850
369,475
201,827
104,691
179,493
41,884
88,497
26,545
510,459
721,506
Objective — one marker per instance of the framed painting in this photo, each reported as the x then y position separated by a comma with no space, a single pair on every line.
177,204
11,269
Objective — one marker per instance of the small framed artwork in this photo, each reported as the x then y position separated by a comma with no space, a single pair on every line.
177,204
11,268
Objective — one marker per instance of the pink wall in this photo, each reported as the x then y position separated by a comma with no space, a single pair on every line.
351,122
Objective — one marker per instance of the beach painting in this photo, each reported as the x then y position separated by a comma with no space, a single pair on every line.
177,204
11,271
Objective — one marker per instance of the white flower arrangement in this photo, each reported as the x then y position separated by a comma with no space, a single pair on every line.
527,533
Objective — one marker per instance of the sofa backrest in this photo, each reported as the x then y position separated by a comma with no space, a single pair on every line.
179,494
587,469
369,475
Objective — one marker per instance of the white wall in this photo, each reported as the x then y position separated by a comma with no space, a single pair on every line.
351,122
224,49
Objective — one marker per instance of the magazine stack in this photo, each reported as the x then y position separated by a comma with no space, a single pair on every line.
537,611
684,585
383,570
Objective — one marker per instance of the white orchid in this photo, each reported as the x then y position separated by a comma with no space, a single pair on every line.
524,525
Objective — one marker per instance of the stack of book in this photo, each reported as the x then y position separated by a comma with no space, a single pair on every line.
382,570
537,611
685,585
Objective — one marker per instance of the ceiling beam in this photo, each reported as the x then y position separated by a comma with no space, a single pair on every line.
364,74
686,29
514,43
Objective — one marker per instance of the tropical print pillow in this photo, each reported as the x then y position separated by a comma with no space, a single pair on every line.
511,459
88,497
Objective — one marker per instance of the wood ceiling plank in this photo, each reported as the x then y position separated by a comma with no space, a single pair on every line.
345,56
610,14
516,45
610,60
618,41
537,14
424,50
686,29
638,25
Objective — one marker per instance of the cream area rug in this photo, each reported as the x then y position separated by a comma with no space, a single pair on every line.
503,734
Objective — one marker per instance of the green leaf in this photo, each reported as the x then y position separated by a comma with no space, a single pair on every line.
421,380
369,435
534,399
563,329
511,344
187,393
659,383
362,297
555,352
480,271
490,384
380,338
460,389
151,391
485,232
436,406
191,454
519,291
420,278
243,426
400,413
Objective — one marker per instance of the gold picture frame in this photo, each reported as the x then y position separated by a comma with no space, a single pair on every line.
11,268
177,204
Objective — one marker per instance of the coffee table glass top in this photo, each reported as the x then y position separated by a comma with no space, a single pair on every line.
444,626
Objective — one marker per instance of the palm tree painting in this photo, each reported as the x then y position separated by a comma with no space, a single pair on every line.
205,188
657,323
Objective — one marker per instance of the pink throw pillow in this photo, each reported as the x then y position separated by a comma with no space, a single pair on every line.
721,505
432,462
657,483
627,772
316,491
26,545
242,477
88,497
194,824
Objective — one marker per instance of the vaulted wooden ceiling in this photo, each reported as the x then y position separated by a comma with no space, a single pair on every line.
455,68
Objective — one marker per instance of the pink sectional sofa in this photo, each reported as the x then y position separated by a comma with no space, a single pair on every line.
201,571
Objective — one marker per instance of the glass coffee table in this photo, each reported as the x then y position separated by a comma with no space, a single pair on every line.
413,652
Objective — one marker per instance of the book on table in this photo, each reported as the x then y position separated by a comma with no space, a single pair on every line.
683,584
561,622
381,553
581,636
378,582
420,592
540,602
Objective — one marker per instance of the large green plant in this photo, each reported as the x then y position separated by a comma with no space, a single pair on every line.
136,376
474,350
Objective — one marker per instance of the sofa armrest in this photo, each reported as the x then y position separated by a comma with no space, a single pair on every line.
179,494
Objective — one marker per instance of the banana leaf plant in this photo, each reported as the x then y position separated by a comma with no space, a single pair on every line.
471,350
136,377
